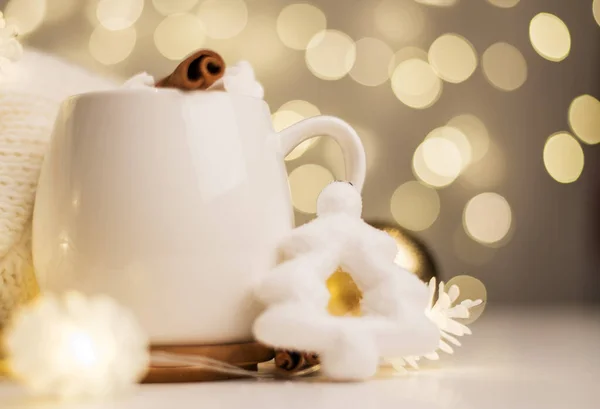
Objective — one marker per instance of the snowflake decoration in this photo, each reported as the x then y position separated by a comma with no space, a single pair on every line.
444,314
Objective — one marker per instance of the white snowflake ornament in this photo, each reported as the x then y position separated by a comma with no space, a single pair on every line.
72,346
296,296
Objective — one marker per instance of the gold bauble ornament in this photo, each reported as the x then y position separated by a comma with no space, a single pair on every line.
413,255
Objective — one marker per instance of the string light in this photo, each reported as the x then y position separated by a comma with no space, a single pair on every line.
298,23
119,14
504,66
415,206
178,35
168,7
223,18
476,133
330,54
400,20
550,37
584,118
306,183
26,15
487,218
112,46
453,58
563,157
416,84
373,57
505,4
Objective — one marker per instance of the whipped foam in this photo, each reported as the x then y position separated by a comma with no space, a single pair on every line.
240,79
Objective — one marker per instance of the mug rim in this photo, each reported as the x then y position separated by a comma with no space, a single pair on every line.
165,91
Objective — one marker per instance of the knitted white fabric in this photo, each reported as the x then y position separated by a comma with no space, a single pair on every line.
30,96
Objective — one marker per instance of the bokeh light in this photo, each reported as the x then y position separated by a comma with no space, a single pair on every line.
596,11
416,84
487,218
26,15
298,23
400,20
437,161
168,7
505,4
119,14
504,66
470,289
563,157
550,37
453,58
373,57
112,46
438,3
407,53
476,133
59,10
178,35
415,206
459,140
290,113
306,183
223,18
330,54
422,172
584,118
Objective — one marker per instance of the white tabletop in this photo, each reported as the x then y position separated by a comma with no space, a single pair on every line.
516,359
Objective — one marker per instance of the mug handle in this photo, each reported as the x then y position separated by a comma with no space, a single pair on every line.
341,132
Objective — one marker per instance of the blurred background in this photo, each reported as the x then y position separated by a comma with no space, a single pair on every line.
480,118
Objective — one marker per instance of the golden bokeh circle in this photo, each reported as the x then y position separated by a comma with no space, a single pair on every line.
550,37
470,289
487,218
475,131
584,118
438,3
111,46
460,141
168,7
119,14
373,57
223,18
453,57
306,183
416,84
399,20
25,15
415,206
406,53
563,157
298,23
505,4
422,171
178,35
330,54
304,108
596,11
504,66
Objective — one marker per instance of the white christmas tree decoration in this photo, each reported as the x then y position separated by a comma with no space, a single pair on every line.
72,346
296,296
444,314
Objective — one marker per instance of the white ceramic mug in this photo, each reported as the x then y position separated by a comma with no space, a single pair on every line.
171,203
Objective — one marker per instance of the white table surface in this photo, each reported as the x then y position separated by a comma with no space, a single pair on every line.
516,359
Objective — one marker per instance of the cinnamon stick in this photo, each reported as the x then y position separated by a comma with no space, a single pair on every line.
197,72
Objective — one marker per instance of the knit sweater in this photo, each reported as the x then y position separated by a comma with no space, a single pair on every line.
29,101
